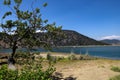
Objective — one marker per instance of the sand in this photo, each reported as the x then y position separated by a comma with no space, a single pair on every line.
86,69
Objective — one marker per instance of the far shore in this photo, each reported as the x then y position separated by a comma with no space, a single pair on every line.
89,46
79,46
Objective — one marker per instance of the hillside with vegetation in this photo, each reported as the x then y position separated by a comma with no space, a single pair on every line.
113,41
69,38
73,38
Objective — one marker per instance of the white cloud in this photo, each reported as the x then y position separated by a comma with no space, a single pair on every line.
111,37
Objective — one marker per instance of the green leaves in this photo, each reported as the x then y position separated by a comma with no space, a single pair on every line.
7,14
45,21
116,69
45,4
37,10
9,23
25,24
29,72
6,74
7,2
18,1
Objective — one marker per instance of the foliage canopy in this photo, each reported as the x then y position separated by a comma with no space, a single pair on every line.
20,32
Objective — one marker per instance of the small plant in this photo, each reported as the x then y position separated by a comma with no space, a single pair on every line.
81,57
60,58
115,78
116,69
31,71
87,57
22,58
72,57
37,53
102,66
51,59
6,74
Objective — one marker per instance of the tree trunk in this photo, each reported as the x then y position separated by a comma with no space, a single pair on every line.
11,59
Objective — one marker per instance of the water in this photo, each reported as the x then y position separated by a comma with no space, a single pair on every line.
112,52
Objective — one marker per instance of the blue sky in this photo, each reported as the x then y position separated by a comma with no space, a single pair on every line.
98,19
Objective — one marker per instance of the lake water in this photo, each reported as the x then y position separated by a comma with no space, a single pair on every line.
112,52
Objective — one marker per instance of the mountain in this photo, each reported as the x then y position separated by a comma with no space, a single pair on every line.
74,38
112,41
71,38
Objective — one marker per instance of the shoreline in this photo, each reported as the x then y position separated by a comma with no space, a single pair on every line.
66,54
59,54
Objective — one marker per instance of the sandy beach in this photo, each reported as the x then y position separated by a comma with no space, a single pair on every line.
99,69
88,70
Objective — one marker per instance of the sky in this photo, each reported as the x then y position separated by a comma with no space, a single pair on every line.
97,19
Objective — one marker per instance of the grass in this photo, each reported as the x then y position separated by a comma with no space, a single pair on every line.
116,69
115,78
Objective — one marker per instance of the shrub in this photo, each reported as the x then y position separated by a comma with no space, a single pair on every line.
60,58
21,54
29,72
116,69
115,78
22,58
81,58
72,57
87,57
30,69
51,59
6,74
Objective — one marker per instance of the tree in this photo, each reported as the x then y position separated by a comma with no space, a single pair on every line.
21,31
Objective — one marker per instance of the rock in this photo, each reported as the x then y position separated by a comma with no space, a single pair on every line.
12,67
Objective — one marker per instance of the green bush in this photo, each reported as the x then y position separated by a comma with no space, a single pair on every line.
30,72
6,74
22,58
116,69
115,78
60,58
72,57
21,54
51,59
